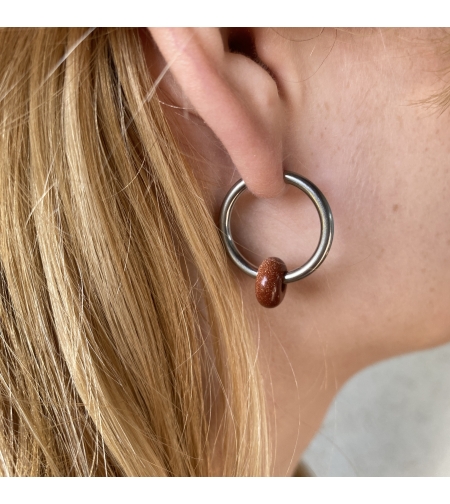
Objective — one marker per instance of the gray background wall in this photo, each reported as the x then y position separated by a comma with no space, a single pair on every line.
392,419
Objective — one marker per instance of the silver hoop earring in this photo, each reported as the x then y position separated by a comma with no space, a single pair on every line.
272,276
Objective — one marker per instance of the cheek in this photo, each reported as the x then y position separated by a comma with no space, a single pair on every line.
392,240
384,168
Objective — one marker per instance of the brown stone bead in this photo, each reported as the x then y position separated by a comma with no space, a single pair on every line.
269,286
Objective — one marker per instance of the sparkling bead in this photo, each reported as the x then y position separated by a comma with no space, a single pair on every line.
269,286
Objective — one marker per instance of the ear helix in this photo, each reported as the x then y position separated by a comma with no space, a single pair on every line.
272,276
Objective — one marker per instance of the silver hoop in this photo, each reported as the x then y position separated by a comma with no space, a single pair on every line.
326,227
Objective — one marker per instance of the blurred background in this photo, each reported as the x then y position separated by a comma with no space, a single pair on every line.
392,419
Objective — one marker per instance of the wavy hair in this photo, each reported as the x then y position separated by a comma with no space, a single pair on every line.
124,349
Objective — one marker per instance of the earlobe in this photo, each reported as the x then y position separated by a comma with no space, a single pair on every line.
235,96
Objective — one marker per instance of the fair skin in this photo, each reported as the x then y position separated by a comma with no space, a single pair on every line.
338,107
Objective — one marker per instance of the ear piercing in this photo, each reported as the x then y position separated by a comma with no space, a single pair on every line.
272,276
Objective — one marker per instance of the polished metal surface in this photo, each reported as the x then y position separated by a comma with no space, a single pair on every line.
326,226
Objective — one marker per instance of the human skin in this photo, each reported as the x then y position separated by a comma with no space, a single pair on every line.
348,117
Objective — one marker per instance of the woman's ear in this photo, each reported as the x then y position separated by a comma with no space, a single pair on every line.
231,90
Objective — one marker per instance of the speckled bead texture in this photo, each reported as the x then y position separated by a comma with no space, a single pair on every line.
270,287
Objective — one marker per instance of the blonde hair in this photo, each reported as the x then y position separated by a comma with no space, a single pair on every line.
123,345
